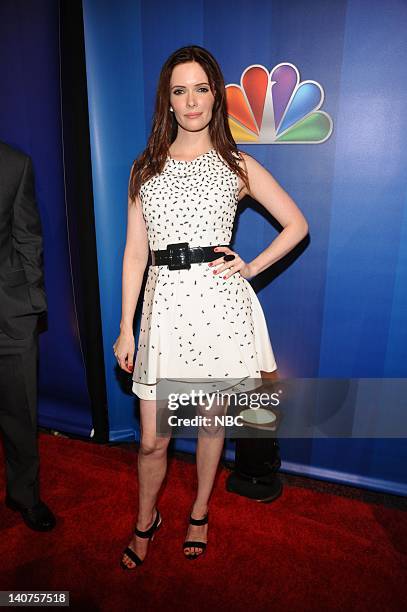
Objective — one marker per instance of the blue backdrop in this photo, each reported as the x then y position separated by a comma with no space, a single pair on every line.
30,119
340,309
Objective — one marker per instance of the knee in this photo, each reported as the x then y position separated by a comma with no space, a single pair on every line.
212,425
211,430
156,445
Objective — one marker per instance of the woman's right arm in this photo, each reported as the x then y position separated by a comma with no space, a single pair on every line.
135,259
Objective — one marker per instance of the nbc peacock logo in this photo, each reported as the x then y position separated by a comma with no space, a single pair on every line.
276,108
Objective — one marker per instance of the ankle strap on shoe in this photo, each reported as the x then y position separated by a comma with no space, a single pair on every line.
201,521
149,532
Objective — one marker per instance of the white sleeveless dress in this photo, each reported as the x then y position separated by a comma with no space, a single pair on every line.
195,325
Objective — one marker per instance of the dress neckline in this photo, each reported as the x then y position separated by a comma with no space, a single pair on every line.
188,161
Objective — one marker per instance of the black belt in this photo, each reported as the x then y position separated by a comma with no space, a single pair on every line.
180,255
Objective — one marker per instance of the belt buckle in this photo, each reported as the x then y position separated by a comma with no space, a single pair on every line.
178,256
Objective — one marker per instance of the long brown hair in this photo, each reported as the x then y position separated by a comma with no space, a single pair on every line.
164,130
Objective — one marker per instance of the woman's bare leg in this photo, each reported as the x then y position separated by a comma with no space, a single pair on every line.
209,449
152,467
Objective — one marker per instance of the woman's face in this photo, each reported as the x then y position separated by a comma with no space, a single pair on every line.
190,94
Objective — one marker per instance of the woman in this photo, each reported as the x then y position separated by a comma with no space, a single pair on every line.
185,188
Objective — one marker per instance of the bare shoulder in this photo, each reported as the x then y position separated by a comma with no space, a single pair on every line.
248,163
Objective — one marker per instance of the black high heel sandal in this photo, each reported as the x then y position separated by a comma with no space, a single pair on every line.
197,544
149,533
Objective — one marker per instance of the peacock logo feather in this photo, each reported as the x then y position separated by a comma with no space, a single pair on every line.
276,108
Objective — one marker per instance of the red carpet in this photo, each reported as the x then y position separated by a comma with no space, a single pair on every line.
306,551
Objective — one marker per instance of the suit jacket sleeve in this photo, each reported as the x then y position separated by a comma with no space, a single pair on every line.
27,236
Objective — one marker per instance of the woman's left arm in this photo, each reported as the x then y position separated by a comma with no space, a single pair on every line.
266,191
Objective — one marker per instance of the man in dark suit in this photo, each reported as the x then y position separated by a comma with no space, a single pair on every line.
22,300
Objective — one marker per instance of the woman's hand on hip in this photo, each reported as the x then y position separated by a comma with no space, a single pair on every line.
230,263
